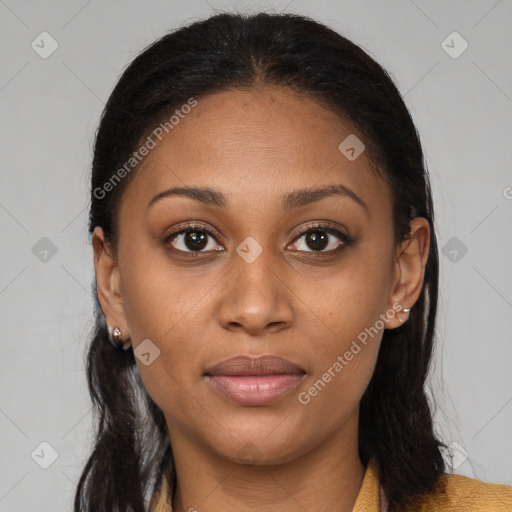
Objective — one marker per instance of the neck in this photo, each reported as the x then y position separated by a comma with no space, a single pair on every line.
325,478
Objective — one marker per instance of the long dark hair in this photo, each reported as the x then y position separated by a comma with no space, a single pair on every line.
231,51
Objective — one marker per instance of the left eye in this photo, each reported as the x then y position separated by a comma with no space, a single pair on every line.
319,240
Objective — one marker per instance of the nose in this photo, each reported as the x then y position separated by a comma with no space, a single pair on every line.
256,299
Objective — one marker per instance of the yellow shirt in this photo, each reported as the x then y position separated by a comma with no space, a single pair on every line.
463,494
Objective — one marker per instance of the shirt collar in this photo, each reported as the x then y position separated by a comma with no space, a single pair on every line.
371,497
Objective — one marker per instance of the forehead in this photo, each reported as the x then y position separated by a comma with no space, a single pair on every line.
255,143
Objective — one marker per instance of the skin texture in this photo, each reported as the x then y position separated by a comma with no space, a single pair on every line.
255,146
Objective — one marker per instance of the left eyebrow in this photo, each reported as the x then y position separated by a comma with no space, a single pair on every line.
295,199
306,196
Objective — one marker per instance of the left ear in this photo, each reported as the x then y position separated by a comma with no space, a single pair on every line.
409,270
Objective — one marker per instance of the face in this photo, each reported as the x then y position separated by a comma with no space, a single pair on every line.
265,268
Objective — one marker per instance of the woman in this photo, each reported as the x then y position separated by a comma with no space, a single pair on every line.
266,267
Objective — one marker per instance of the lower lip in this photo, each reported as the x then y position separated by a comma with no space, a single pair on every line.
254,389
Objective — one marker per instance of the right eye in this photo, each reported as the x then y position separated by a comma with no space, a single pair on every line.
193,238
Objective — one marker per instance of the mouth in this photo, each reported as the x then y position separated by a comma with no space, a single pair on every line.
254,381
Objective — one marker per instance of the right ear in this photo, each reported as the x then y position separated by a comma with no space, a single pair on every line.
108,283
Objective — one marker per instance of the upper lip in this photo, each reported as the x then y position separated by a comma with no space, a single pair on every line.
255,365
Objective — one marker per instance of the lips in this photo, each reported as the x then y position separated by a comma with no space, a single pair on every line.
261,365
254,381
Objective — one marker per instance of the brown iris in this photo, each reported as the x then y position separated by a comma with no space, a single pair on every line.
317,240
195,240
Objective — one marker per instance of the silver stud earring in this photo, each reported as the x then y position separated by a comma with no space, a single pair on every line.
116,339
404,310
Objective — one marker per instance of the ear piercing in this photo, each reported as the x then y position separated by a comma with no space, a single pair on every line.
404,310
116,339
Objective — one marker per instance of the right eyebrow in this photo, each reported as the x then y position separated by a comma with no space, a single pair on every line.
205,195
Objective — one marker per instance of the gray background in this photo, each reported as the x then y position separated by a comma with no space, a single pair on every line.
49,111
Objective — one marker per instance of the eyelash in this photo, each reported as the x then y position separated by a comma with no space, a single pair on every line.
327,227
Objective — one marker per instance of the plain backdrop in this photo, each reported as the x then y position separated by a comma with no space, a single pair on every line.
461,101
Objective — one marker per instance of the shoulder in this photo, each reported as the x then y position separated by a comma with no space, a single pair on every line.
462,494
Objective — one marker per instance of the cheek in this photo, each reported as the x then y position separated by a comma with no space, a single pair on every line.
344,303
343,354
343,321
332,397
162,300
168,307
